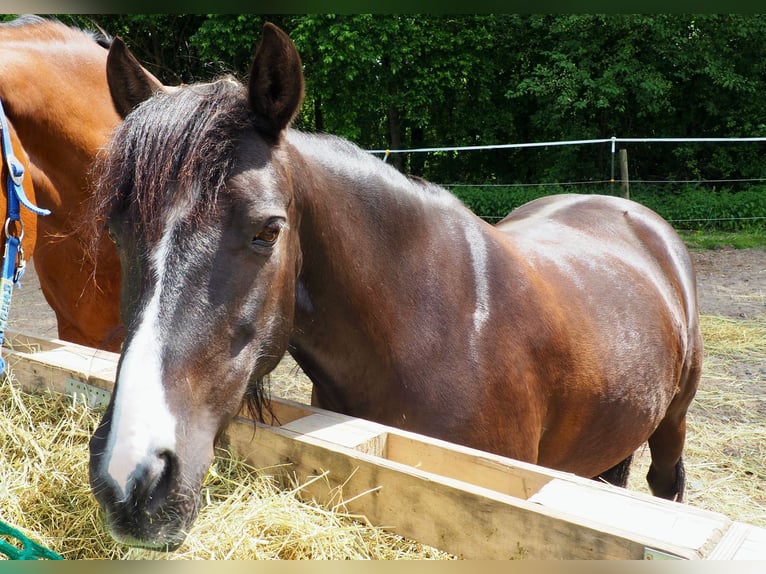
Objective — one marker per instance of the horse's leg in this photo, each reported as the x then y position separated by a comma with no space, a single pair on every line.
618,474
666,476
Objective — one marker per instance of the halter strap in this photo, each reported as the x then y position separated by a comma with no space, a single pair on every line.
16,192
13,257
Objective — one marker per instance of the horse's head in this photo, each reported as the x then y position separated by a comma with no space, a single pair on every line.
197,194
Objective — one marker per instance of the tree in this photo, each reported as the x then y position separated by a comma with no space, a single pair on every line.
404,81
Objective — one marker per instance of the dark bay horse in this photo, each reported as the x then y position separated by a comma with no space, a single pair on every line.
566,336
54,90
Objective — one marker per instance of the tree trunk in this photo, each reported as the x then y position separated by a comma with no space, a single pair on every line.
318,118
417,160
395,138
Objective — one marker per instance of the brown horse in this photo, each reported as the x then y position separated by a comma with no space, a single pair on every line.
565,336
53,87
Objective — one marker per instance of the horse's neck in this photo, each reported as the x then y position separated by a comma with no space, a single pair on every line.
368,223
58,100
379,252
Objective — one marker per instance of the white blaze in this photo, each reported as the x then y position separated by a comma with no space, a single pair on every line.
142,423
477,246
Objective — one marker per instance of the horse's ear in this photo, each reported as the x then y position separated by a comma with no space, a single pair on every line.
276,81
129,83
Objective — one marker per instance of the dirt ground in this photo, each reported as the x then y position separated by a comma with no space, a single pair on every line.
731,282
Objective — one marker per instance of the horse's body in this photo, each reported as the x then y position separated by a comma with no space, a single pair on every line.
567,335
53,86
555,316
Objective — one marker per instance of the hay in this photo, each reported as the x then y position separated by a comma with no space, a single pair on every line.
246,514
726,447
727,337
288,381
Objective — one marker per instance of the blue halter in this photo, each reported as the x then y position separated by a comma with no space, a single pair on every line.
13,257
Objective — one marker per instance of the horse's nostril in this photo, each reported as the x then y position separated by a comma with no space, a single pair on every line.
161,473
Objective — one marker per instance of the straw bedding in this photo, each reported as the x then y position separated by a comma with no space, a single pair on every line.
247,514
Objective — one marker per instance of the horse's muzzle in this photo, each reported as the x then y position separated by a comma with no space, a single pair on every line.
155,512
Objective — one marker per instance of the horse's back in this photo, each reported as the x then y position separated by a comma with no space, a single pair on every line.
592,228
584,241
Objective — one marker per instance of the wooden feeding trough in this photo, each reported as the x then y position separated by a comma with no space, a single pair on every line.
464,501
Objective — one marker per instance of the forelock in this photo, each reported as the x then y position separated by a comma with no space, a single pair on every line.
174,148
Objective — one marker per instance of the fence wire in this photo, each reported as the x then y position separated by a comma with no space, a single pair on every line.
612,182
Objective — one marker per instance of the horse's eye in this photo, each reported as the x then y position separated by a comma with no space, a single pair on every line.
268,235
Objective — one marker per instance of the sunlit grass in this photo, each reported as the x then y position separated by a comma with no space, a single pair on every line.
717,239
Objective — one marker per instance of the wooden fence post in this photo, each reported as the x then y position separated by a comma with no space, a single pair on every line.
624,173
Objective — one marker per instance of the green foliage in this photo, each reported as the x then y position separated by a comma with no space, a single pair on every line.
711,239
492,203
225,42
403,81
697,208
690,207
159,41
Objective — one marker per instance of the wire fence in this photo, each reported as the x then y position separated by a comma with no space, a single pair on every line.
612,140
595,184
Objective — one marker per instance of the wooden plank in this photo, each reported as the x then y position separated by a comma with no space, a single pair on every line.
472,521
741,542
467,502
675,524
340,430
48,364
482,469
753,547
